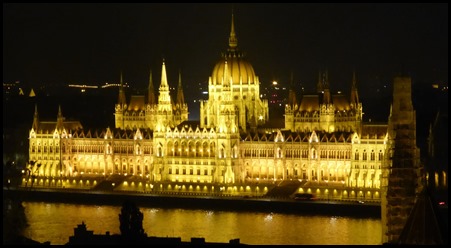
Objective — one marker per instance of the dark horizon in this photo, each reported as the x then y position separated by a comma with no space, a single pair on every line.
47,44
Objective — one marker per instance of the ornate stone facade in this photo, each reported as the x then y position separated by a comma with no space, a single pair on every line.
324,140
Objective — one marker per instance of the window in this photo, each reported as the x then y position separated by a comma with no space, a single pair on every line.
381,155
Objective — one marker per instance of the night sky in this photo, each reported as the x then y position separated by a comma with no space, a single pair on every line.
92,43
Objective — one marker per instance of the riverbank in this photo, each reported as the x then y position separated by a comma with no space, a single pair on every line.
332,208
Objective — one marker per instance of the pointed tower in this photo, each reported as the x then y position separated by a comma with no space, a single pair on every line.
59,119
121,99
164,109
151,92
291,106
121,107
35,125
326,98
292,93
181,107
233,41
354,94
180,96
319,85
164,98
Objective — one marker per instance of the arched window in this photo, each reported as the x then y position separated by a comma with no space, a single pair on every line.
137,150
176,149
184,151
314,154
381,155
356,156
205,149
212,149
159,152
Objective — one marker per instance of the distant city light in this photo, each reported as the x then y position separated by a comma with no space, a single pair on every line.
83,86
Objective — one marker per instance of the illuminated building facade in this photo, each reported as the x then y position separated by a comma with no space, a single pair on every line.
323,141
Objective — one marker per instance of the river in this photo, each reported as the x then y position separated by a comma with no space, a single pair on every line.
55,222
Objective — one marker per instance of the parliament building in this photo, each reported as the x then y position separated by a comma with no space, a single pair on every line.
323,141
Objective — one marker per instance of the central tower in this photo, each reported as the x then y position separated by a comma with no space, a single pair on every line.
234,90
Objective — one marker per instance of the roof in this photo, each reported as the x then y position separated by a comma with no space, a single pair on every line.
309,103
370,129
193,124
421,227
136,103
340,102
51,125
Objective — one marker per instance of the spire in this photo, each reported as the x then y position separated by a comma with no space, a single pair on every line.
326,98
35,125
164,78
233,42
319,86
59,118
225,80
292,96
151,93
60,113
354,92
292,93
164,98
180,96
121,99
326,80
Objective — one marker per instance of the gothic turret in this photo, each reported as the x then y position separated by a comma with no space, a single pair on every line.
326,97
35,125
292,93
59,119
121,99
151,92
354,94
180,95
233,41
319,85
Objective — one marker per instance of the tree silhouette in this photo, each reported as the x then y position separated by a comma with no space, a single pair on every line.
131,221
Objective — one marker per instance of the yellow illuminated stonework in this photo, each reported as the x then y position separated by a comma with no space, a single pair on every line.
324,143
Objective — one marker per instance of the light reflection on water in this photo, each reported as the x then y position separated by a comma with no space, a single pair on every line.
55,222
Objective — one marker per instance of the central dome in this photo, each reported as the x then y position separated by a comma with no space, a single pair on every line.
239,69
